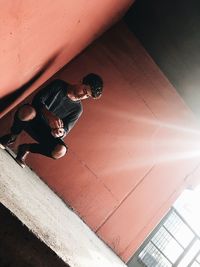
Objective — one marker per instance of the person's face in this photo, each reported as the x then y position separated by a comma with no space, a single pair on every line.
81,91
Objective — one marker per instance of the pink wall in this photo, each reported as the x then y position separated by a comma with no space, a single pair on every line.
132,152
40,37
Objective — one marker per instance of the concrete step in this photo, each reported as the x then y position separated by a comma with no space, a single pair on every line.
49,218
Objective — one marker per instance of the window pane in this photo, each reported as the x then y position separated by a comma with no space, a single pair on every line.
195,264
198,259
151,257
190,255
179,229
172,244
167,244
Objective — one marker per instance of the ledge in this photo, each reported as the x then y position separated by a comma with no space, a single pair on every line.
47,216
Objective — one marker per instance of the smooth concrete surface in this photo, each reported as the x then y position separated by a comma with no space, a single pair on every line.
44,213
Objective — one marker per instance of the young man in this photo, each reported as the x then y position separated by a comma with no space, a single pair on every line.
53,112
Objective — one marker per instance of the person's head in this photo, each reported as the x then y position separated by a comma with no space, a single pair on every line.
90,86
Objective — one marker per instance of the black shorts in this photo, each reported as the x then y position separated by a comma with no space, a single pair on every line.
38,129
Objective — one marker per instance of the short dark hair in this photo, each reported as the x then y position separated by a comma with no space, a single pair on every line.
95,82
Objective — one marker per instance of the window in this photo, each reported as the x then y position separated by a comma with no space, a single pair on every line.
172,244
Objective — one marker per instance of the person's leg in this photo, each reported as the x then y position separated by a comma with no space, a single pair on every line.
23,116
47,145
57,151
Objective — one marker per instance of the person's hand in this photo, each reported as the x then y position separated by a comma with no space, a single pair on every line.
58,132
53,121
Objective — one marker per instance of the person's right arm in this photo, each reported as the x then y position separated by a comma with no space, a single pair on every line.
42,102
53,121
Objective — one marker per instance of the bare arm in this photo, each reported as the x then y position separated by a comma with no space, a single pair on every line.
53,121
42,102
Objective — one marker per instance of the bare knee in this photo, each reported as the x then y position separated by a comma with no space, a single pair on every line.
26,113
59,151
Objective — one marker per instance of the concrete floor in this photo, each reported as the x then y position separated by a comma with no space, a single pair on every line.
19,247
48,217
